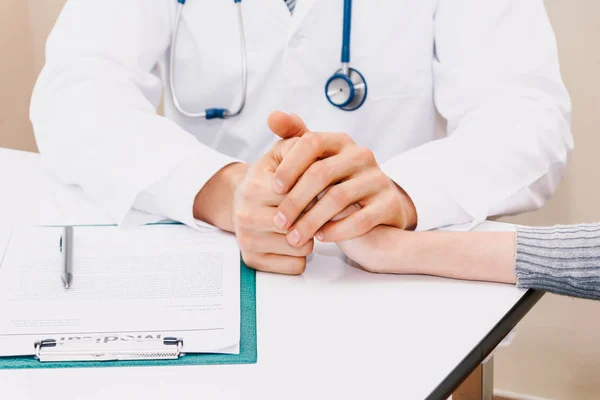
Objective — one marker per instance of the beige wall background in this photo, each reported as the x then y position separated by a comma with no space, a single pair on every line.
556,353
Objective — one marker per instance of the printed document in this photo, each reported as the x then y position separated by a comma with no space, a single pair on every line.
135,284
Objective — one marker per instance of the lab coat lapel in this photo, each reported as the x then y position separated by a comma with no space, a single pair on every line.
302,10
280,10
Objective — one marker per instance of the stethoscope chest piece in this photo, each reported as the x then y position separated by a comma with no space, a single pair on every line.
346,91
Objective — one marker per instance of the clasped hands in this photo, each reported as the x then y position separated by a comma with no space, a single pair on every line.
311,185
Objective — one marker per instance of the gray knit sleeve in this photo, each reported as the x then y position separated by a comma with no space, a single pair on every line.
563,259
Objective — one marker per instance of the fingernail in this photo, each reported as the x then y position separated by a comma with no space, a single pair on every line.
278,186
319,236
280,220
294,237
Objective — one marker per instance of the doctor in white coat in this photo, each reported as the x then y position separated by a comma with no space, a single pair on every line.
465,116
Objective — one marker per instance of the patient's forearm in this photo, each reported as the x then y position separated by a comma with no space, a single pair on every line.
561,259
482,256
485,256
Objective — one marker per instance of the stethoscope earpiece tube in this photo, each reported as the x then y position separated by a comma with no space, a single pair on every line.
209,113
346,89
212,113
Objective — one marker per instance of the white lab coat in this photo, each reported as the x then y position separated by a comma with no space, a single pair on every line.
484,72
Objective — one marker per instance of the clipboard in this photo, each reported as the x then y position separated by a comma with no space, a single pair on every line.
169,353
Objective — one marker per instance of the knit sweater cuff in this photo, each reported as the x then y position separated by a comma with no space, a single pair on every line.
563,259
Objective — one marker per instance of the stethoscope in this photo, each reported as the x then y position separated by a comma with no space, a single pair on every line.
346,89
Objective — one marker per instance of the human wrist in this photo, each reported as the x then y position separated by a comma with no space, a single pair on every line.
403,252
408,209
233,174
214,202
379,250
479,256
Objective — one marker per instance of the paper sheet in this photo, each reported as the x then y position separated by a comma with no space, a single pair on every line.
128,284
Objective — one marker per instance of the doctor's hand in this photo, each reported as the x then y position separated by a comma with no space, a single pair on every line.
265,247
351,177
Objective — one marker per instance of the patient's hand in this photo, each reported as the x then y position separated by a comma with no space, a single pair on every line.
377,250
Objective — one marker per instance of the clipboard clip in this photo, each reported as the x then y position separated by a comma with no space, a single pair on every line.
170,348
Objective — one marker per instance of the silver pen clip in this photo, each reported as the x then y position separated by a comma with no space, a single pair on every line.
65,250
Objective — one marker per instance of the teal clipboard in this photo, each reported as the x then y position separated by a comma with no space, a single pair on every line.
248,347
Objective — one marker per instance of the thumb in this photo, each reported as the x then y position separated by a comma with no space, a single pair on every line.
286,125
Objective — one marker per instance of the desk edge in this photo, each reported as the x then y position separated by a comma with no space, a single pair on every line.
483,349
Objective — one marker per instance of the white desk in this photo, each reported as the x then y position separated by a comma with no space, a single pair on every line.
334,333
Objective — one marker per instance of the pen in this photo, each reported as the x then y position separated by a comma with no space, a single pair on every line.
65,250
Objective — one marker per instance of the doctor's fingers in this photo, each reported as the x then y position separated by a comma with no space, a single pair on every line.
257,219
286,125
381,209
273,243
309,148
275,263
272,158
318,178
335,201
255,191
